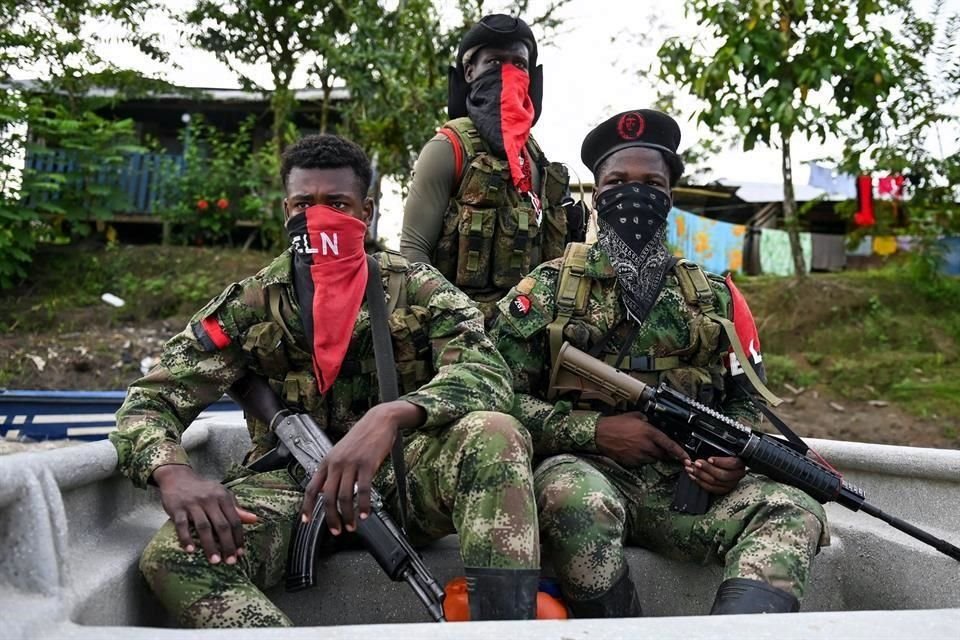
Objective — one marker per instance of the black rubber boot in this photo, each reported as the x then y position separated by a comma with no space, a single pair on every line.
619,601
502,594
741,595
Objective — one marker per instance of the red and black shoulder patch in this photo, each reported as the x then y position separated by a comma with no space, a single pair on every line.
520,306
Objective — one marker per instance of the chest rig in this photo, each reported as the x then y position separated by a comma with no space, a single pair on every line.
694,368
492,235
275,347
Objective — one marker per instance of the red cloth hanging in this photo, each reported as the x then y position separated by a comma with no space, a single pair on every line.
864,216
891,185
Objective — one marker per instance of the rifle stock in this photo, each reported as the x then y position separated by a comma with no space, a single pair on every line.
703,431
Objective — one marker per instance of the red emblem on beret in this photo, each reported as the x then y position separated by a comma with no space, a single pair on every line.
631,126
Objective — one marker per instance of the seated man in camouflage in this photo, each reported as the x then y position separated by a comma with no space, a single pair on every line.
607,476
302,323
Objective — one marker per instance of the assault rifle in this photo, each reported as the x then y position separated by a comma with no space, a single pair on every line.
303,443
703,432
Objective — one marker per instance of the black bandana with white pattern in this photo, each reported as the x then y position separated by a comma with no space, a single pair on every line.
633,232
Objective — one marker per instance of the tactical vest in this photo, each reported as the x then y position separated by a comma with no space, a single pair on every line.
289,369
692,369
491,235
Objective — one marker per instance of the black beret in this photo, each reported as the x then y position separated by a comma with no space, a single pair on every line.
634,128
498,29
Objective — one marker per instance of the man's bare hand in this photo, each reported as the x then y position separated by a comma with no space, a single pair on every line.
190,499
630,439
354,460
717,475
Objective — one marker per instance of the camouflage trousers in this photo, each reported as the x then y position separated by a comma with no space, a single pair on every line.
590,507
474,478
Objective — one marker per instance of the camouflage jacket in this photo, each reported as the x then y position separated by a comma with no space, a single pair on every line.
521,337
446,364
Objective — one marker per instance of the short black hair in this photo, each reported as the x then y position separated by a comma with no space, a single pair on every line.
327,151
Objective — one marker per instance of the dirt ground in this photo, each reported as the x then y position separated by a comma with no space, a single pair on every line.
852,364
112,358
815,415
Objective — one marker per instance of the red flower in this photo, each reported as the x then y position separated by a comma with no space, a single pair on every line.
223,203
203,205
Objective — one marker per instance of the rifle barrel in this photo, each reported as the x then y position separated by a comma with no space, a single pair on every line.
940,545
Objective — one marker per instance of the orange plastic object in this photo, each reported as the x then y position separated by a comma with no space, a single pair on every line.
456,606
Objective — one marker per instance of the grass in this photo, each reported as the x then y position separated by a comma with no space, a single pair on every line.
888,334
866,335
64,289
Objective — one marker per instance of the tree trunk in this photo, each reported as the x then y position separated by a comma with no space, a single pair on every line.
282,106
375,193
790,219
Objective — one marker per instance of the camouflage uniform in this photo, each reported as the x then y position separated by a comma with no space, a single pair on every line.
468,467
590,506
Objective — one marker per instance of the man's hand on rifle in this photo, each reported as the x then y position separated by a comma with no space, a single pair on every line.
354,460
630,439
717,475
191,499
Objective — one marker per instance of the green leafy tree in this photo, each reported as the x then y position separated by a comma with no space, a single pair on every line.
390,58
283,37
54,116
222,182
773,69
925,151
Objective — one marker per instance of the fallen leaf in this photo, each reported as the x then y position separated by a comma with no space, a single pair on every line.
837,407
878,403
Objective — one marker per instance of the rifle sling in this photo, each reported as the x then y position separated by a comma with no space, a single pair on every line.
798,443
386,372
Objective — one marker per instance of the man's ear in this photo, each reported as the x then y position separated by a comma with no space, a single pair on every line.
367,211
468,70
286,211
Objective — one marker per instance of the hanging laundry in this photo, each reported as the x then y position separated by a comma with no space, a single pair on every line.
821,177
845,185
907,243
829,252
863,249
832,181
950,247
898,182
714,245
776,257
864,216
885,245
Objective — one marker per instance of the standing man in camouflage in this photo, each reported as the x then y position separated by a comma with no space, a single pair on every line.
607,477
303,324
485,205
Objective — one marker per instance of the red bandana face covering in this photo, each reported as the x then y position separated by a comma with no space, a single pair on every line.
501,109
330,275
